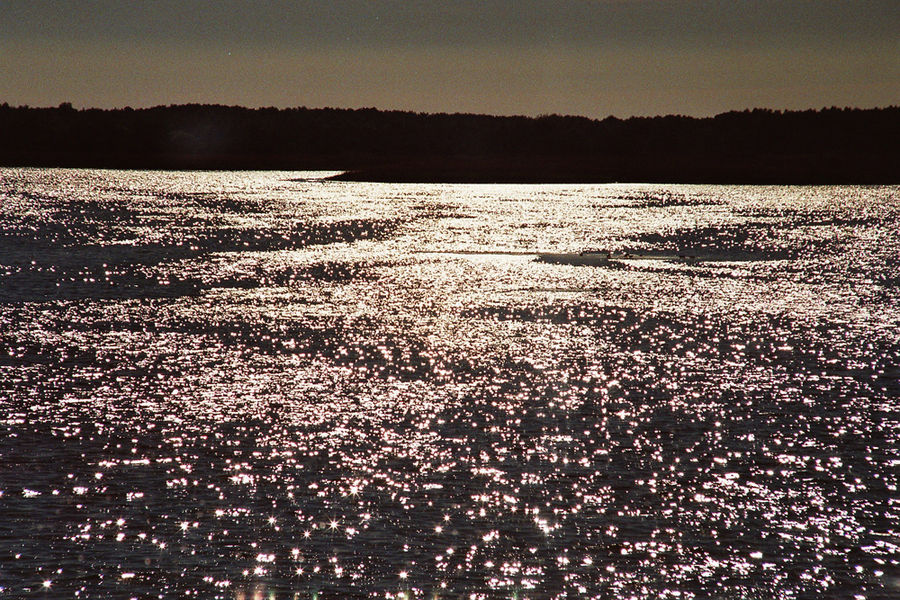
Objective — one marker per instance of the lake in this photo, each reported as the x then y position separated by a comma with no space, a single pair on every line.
270,385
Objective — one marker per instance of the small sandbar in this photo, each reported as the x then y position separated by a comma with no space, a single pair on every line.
605,258
601,259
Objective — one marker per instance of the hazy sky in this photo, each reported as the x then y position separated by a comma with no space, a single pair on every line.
594,58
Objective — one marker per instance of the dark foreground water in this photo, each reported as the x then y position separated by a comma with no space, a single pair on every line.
251,385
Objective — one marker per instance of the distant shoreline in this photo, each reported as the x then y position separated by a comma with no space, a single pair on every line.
831,146
768,170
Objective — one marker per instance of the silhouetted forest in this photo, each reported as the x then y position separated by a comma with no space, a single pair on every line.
758,146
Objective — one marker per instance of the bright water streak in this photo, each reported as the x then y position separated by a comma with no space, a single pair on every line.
245,385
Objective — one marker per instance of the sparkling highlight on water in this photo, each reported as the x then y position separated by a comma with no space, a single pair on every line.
267,385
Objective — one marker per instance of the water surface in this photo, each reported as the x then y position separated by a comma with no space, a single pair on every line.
262,384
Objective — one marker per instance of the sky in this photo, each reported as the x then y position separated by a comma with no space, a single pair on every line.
584,57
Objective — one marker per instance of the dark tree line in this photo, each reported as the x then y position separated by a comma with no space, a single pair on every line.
758,146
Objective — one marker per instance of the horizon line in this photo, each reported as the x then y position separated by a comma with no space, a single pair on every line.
80,108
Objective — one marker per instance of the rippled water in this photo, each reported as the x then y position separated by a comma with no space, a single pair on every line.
263,385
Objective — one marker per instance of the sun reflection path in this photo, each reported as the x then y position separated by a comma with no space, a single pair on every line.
236,385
